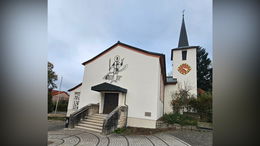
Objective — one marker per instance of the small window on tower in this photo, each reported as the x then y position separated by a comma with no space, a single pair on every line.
184,55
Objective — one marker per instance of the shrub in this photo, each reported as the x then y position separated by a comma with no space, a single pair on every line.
63,104
176,118
180,99
203,106
50,104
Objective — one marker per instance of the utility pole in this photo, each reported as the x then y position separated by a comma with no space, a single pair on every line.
57,102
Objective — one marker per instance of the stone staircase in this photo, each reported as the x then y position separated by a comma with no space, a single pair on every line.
92,123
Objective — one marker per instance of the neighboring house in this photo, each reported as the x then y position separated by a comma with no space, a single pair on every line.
126,76
61,95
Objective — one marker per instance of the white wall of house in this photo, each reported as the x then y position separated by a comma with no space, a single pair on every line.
189,79
160,94
169,90
141,79
71,101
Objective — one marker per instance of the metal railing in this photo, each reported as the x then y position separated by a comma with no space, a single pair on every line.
75,117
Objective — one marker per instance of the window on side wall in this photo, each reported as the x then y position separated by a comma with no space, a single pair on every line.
76,100
184,55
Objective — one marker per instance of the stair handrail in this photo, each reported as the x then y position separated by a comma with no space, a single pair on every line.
111,121
78,115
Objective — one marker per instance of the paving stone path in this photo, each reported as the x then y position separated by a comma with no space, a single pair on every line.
60,136
73,137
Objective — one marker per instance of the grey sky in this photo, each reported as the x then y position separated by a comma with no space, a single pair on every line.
80,29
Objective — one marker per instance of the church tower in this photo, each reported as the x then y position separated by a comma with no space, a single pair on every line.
185,62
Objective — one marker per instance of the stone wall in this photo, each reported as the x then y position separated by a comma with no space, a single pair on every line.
94,109
122,118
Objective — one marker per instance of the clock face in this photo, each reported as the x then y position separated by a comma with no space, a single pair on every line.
184,68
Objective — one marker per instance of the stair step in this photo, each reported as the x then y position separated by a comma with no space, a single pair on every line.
95,118
91,123
90,126
102,115
94,121
98,116
90,129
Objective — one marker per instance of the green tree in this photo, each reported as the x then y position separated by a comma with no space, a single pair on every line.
203,106
52,77
204,70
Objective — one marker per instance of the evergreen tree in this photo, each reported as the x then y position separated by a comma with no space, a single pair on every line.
204,70
50,104
52,77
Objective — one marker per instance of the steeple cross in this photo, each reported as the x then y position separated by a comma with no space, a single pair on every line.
183,12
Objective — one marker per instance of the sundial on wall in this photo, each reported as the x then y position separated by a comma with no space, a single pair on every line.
184,68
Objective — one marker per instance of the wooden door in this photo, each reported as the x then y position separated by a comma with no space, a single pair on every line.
110,102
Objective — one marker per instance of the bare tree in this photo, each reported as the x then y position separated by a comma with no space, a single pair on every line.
180,99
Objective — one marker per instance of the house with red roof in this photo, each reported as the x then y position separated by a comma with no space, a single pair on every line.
61,95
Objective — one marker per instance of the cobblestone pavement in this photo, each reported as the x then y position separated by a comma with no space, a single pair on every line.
69,137
195,138
55,125
58,135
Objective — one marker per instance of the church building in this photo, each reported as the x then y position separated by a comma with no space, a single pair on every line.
128,86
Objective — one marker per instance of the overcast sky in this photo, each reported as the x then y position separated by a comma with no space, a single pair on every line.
80,29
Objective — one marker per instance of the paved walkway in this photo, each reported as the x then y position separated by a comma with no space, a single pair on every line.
69,137
58,135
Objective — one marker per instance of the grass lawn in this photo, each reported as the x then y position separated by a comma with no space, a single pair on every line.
61,117
57,118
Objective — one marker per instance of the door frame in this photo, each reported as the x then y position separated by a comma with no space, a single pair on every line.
121,100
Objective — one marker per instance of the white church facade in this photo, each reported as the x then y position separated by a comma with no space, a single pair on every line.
133,78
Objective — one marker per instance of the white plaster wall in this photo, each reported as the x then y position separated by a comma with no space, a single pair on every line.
169,90
189,79
101,103
121,99
71,101
138,122
160,94
140,79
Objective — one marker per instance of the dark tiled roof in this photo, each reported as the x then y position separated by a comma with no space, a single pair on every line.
75,87
171,80
108,87
123,44
183,40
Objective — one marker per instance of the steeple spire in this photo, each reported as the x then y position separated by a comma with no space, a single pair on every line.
183,40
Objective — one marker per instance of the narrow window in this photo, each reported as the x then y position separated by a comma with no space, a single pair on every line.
184,55
76,100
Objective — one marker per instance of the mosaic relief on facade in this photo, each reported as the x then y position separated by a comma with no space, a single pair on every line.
115,67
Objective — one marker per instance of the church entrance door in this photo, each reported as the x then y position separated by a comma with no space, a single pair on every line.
110,102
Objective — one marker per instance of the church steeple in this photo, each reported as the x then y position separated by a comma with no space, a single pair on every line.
183,40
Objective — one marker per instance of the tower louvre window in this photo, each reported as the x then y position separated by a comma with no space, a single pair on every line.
184,55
